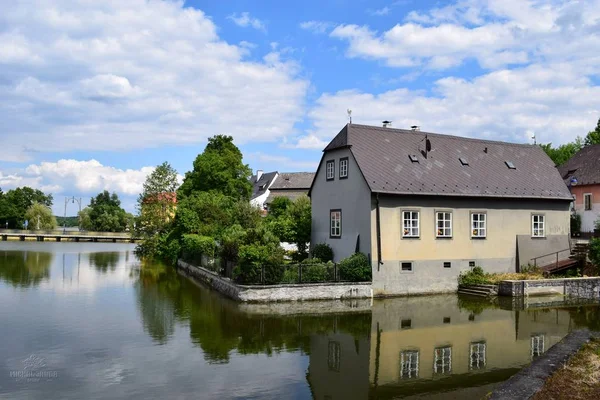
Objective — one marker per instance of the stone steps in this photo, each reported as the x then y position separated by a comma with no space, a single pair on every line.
479,290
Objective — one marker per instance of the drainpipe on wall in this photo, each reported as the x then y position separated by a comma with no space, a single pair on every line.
378,222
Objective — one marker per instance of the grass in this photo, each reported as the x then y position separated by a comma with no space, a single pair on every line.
478,277
579,379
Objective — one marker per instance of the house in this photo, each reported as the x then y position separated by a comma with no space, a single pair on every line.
582,174
261,183
291,185
163,204
426,206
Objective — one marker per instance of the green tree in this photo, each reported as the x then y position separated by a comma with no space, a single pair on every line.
15,203
219,169
292,222
204,213
40,217
106,214
279,206
85,222
158,200
593,137
564,152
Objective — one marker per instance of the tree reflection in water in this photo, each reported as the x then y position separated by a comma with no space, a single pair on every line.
25,268
105,261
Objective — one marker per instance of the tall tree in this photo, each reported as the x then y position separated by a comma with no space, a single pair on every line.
158,200
219,169
593,137
15,203
564,152
106,214
40,217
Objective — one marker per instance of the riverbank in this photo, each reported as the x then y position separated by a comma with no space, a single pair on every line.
579,379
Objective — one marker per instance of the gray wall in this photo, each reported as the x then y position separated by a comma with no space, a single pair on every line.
352,196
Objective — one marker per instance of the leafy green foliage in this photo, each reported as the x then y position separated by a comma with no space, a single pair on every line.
256,260
355,268
106,214
15,203
85,222
40,217
219,169
279,206
195,246
575,223
292,222
204,213
323,251
593,137
594,253
162,246
475,276
69,222
157,201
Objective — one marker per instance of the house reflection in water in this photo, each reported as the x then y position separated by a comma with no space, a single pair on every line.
435,346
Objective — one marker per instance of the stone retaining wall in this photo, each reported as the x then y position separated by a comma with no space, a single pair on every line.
585,288
274,293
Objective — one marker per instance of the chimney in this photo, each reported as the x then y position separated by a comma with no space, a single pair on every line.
386,123
415,128
259,173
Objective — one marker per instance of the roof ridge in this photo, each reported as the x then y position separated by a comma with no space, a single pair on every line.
455,137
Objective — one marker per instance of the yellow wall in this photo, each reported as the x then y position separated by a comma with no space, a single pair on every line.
505,220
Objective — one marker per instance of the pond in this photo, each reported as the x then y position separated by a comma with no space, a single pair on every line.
90,321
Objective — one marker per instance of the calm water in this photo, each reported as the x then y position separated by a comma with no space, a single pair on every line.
89,321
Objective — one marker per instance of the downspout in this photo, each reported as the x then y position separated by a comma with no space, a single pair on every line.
378,223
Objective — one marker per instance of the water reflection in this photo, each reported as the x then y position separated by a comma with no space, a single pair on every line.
24,268
104,261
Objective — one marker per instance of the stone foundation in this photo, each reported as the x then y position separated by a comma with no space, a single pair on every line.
276,293
584,288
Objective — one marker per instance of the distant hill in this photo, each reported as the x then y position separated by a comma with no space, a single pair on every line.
71,221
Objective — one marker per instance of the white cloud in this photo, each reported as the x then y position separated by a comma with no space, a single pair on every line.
316,26
284,163
245,20
555,102
495,33
380,12
121,75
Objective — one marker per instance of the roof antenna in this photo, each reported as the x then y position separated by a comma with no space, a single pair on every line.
386,123
349,111
534,139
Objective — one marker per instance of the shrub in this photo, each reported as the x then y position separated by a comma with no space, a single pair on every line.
594,253
195,246
253,258
476,276
575,223
355,268
323,251
162,246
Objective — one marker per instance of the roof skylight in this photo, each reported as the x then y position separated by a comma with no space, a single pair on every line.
463,161
510,165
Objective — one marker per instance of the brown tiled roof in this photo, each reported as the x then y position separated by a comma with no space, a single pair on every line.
383,155
293,180
583,166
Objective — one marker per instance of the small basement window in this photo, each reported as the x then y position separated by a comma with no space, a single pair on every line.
407,266
413,158
472,264
405,324
510,165
447,264
463,161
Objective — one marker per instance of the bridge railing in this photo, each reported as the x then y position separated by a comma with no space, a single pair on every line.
61,232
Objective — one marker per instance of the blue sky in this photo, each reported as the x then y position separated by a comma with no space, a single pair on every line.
94,94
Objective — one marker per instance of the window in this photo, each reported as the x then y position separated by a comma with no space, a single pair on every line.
343,168
463,161
406,267
537,346
472,264
538,226
447,320
405,324
442,360
410,224
409,364
330,170
333,356
443,224
510,165
335,217
478,225
477,355
447,264
413,158
587,201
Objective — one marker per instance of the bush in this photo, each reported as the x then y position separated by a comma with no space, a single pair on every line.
476,276
253,258
323,251
355,268
575,223
594,253
162,246
195,246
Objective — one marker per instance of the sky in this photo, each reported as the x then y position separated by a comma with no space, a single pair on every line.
95,94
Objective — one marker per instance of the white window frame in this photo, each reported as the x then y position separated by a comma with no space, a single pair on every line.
585,203
538,345
446,228
477,355
409,364
479,230
343,167
538,226
335,223
442,360
330,170
409,230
